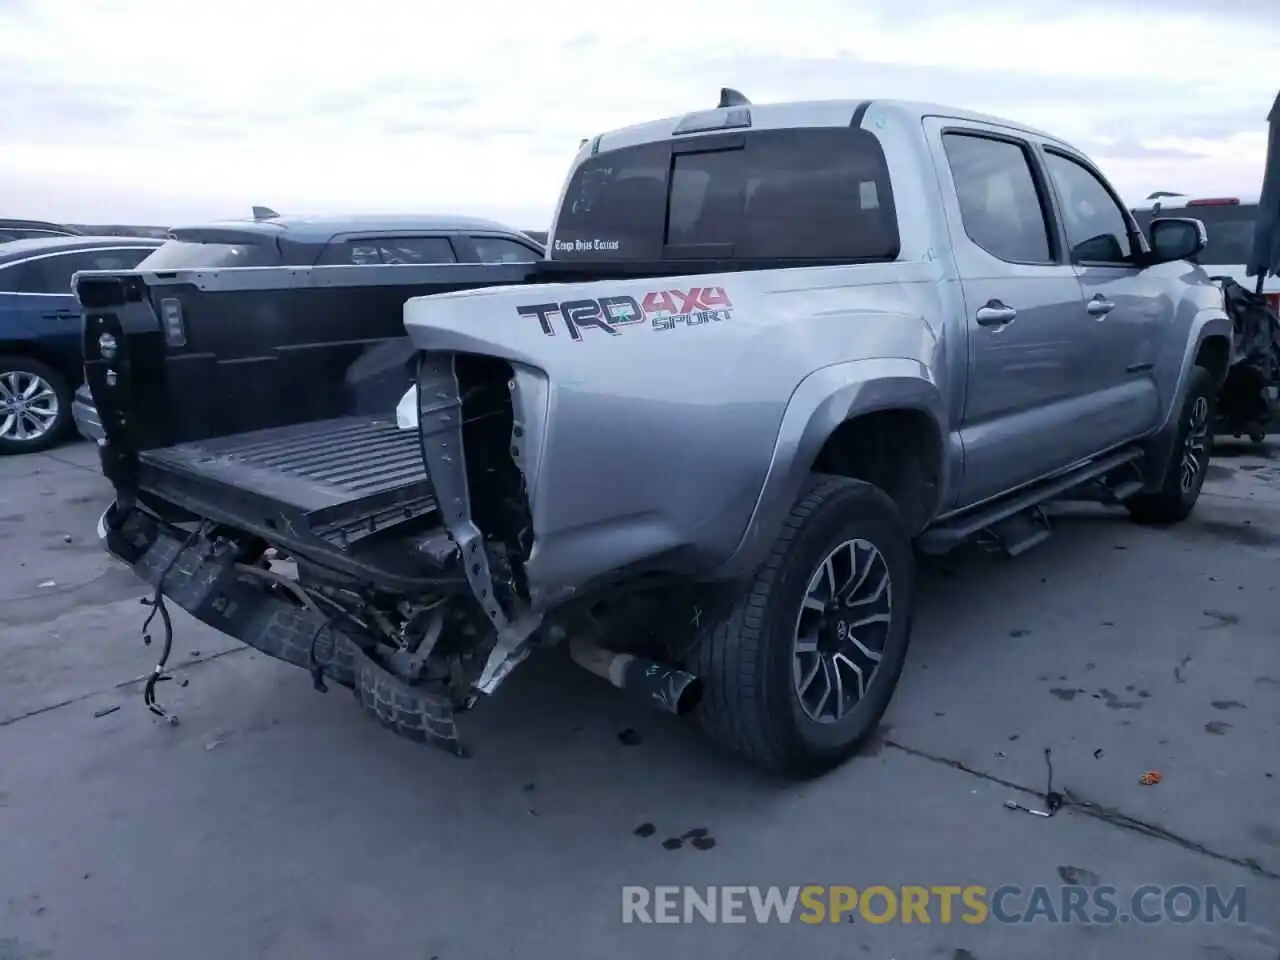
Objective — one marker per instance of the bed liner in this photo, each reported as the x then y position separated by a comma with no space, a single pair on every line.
341,480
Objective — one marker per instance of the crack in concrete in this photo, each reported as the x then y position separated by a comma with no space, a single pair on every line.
1098,811
1117,818
962,767
91,467
122,685
1073,800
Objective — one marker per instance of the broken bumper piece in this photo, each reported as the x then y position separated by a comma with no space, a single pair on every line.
206,582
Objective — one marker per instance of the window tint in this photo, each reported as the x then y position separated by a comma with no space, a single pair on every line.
358,253
11,278
1230,229
503,250
416,250
192,255
1095,224
615,206
1000,205
705,203
53,274
809,194
390,250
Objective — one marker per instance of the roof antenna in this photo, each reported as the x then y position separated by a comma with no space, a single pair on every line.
730,97
264,213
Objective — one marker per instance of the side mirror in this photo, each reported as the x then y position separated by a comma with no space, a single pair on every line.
1177,238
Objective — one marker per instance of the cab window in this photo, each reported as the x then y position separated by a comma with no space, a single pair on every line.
1001,207
810,194
367,251
503,250
1096,225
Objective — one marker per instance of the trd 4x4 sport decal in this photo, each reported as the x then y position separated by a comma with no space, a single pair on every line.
661,309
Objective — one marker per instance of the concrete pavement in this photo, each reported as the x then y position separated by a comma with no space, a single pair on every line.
274,822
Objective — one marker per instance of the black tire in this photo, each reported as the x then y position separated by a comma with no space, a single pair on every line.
62,424
744,655
1174,501
405,711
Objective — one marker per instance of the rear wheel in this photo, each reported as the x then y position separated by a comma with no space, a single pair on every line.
1189,465
35,406
799,663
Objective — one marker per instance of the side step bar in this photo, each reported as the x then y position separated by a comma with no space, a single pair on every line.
952,532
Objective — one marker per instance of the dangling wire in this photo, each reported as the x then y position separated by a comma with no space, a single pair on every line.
156,602
313,664
336,616
157,605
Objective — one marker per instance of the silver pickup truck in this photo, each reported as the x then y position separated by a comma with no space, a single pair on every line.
773,350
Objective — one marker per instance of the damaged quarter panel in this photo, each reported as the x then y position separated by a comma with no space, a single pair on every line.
652,410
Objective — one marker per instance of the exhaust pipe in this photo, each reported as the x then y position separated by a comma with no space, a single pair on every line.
664,687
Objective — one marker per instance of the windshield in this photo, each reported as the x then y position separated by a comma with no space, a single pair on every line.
190,255
1229,226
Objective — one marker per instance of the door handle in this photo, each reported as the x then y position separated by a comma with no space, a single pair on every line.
995,314
1100,306
60,315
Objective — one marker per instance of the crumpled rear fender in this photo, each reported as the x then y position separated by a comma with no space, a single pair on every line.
822,402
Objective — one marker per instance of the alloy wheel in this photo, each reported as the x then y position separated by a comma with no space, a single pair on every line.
841,630
1195,449
28,406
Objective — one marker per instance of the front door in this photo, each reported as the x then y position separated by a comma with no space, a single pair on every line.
1023,307
1125,308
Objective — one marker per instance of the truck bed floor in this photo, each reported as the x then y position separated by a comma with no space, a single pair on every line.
347,477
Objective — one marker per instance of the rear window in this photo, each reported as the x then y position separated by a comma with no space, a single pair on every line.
190,255
810,194
1229,226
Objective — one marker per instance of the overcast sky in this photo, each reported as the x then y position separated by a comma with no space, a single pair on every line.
160,111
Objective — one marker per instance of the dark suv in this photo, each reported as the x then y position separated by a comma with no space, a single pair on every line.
328,241
284,241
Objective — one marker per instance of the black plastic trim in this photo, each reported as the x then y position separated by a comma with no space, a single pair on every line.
709,143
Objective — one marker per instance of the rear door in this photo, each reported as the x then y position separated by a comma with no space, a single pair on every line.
49,308
1127,310
1024,310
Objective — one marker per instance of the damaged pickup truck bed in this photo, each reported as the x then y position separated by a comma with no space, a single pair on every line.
772,350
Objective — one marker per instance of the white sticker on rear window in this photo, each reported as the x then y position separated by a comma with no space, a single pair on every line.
585,246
